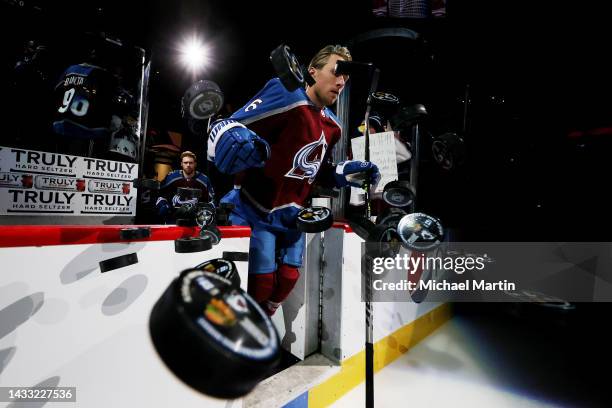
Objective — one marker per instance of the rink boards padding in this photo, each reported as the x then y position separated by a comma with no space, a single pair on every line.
64,322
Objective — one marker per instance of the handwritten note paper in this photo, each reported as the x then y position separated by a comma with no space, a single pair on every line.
382,153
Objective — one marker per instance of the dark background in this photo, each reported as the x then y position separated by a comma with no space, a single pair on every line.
536,72
523,180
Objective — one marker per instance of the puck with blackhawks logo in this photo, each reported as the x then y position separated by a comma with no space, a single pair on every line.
213,336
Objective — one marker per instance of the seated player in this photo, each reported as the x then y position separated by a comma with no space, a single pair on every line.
170,201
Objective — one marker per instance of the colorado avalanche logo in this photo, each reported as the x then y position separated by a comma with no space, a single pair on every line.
307,160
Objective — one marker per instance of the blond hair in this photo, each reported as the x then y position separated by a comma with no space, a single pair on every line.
187,153
321,57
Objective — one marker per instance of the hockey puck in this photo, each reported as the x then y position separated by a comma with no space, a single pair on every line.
407,116
135,233
448,151
384,101
222,267
212,233
213,336
390,216
314,219
202,100
420,232
383,241
287,67
197,127
192,244
362,227
205,215
118,262
236,256
186,211
398,193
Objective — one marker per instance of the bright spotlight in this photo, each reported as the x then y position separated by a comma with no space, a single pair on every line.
194,54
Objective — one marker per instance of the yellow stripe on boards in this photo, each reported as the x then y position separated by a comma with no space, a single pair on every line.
386,350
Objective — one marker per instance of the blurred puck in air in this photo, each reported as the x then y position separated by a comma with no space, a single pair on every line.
213,336
118,262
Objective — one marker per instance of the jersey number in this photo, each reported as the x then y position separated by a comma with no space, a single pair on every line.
78,107
253,105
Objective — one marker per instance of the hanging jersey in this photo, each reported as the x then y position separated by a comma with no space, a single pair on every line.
300,135
84,102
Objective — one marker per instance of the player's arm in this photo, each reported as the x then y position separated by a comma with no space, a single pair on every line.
233,147
347,173
325,176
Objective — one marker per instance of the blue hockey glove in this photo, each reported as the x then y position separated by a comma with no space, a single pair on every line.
235,148
355,173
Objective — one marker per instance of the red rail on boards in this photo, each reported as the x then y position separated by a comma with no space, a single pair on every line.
40,235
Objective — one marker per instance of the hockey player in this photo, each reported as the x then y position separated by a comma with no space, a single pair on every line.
169,200
285,148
